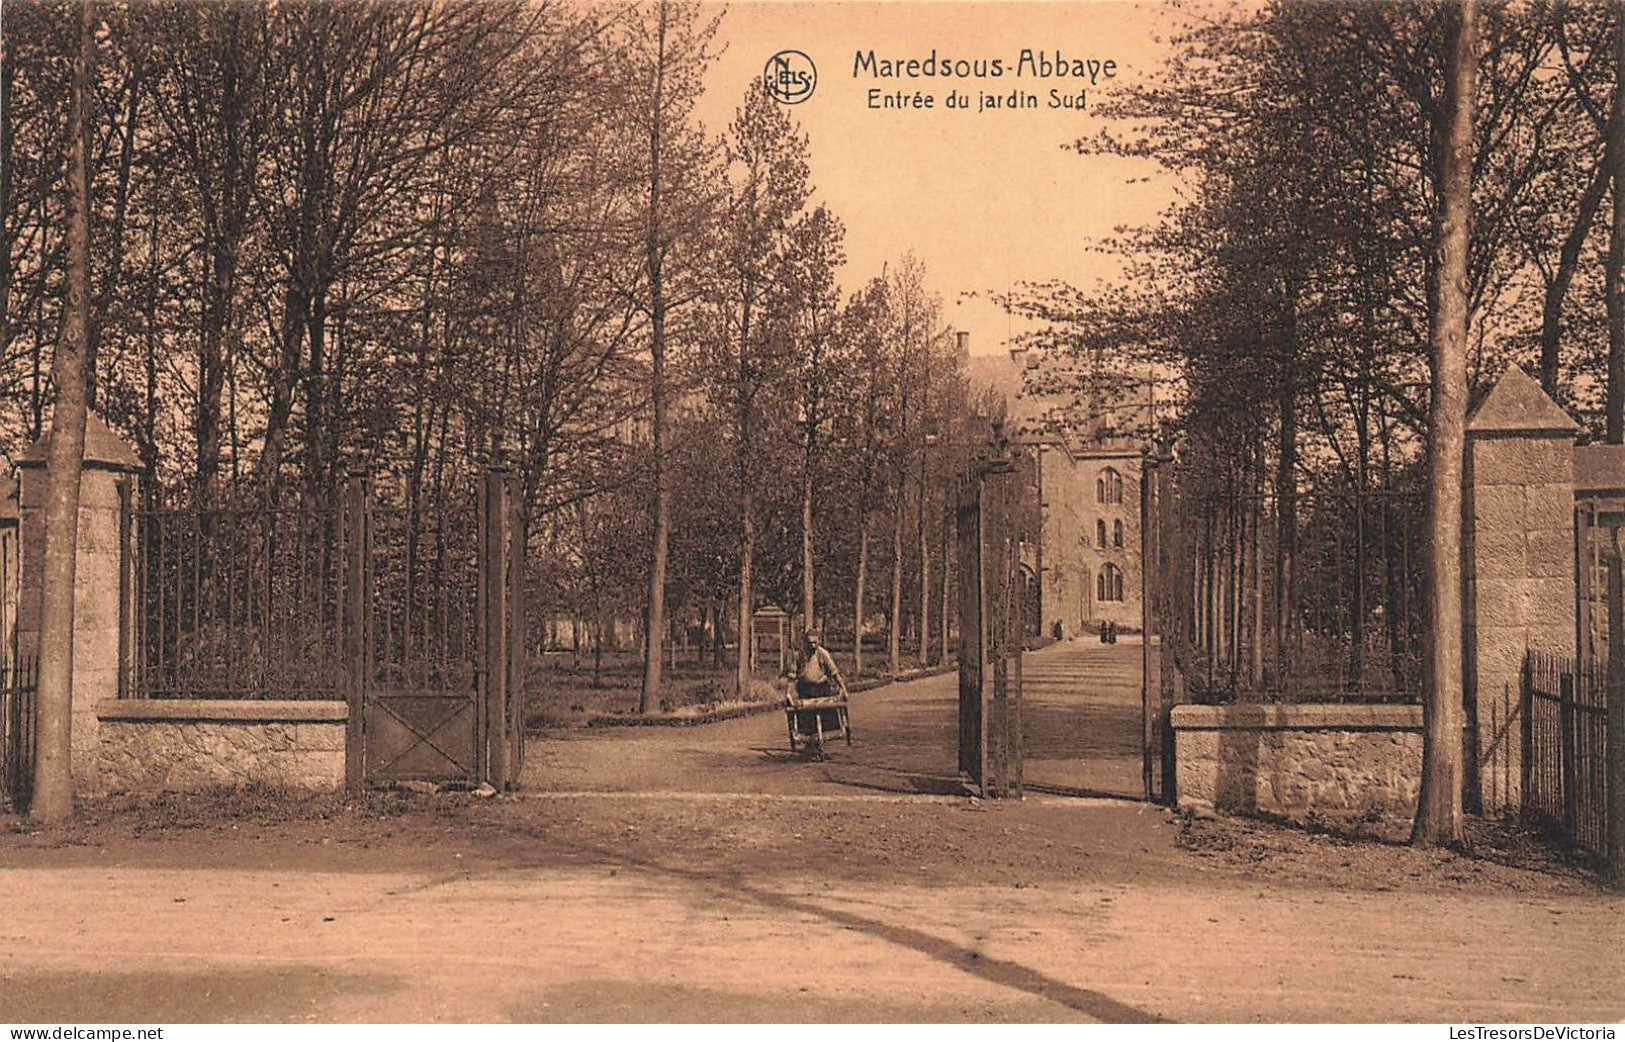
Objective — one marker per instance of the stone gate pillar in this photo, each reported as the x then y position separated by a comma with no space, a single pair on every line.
104,621
1519,570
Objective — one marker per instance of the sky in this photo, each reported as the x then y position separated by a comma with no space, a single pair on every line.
986,199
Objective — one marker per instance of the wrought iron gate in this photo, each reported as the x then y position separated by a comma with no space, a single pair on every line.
410,612
434,621
1565,743
990,598
18,705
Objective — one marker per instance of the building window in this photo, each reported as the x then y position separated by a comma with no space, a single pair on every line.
1109,584
1117,534
1100,532
1109,487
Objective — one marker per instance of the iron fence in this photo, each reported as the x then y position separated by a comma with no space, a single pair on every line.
1565,743
1315,599
249,603
237,603
19,688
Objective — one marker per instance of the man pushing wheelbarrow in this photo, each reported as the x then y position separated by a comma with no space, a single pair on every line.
817,710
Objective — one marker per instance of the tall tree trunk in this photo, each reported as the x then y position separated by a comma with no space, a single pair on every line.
7,77
316,411
1286,485
1551,321
896,645
942,583
747,550
268,471
925,577
807,536
747,519
858,606
1255,655
1615,157
1439,807
53,763
217,313
150,338
655,615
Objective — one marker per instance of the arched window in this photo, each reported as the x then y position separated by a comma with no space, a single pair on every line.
1100,532
1109,487
1109,583
1117,533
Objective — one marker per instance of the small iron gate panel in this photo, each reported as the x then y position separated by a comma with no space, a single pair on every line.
439,611
420,692
18,708
1565,742
990,631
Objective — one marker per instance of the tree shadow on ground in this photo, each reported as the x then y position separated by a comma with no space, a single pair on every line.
862,774
1004,972
1082,792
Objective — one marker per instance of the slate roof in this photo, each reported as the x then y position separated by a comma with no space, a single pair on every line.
1599,470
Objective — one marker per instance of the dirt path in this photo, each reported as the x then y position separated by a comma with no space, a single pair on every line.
1081,734
1081,718
812,897
644,944
739,908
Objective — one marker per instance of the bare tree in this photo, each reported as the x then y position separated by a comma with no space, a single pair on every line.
753,296
1615,290
53,766
213,107
659,58
818,255
866,320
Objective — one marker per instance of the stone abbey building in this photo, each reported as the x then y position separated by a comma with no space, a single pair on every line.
1086,452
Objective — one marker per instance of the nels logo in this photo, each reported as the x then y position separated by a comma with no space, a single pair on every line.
790,77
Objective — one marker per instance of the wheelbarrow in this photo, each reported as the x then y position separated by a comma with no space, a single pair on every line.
814,721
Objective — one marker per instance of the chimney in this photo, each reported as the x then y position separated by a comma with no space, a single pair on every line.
962,343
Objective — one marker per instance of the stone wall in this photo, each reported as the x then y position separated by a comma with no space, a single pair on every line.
176,746
1294,760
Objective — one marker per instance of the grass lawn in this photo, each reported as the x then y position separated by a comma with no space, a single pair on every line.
560,689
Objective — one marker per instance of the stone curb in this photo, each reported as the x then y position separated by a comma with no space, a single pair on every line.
680,719
238,710
1308,717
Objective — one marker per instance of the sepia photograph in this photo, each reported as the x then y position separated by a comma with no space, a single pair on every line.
804,512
